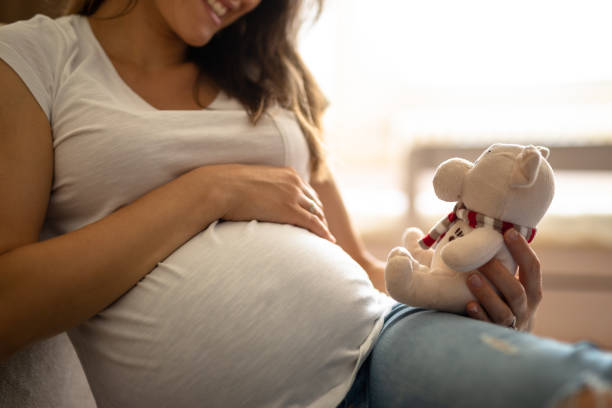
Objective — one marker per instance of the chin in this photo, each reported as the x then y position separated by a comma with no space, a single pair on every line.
196,35
198,40
193,26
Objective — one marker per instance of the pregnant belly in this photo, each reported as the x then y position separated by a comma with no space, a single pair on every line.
243,314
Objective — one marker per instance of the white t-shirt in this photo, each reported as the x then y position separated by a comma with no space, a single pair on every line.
244,314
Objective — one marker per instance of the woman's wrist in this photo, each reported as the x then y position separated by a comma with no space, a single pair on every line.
368,261
375,268
212,200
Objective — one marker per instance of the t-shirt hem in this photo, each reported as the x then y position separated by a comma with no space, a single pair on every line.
334,396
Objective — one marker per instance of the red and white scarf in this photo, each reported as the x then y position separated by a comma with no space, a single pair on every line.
475,220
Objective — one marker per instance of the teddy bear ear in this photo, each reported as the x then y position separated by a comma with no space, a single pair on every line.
526,167
544,151
448,180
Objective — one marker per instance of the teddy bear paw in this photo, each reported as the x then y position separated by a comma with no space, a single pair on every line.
398,252
398,273
411,236
399,259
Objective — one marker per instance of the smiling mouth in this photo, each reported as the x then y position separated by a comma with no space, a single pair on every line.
217,7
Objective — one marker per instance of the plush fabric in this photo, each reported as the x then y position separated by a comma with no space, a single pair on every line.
475,220
508,185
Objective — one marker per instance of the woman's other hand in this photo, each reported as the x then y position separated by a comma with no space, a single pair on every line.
270,194
516,303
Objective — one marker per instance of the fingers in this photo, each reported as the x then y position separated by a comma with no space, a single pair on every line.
312,204
274,194
311,193
529,266
312,207
497,310
305,205
314,221
474,310
512,290
501,297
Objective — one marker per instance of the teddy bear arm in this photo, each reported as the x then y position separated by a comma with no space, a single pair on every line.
411,239
472,250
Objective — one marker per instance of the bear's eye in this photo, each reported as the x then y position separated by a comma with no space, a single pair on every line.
458,232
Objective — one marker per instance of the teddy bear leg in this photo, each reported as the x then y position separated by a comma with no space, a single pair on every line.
442,290
400,275
415,284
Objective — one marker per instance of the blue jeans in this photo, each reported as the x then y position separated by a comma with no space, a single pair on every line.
425,358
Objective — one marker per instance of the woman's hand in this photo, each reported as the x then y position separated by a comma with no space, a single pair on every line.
518,299
271,194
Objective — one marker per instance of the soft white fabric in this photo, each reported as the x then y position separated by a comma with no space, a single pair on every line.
243,314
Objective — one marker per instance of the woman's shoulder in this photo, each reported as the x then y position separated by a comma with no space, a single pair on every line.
37,49
41,31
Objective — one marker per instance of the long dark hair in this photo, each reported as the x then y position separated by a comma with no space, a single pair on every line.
263,68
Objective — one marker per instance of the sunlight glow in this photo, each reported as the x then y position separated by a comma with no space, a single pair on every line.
445,71
475,42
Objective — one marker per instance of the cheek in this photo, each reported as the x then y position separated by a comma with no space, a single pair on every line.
191,21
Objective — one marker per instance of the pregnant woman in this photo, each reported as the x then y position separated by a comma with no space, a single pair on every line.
165,200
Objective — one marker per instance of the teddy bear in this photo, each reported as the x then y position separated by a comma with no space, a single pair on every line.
508,186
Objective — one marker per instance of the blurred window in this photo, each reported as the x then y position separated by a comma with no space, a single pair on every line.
405,72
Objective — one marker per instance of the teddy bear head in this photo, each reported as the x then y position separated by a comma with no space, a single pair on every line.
510,182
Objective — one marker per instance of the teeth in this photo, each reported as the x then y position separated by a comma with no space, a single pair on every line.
217,7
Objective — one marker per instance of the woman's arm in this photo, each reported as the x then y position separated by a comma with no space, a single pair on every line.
50,286
346,235
47,287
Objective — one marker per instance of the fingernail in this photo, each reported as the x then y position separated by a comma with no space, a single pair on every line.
475,281
472,308
512,234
